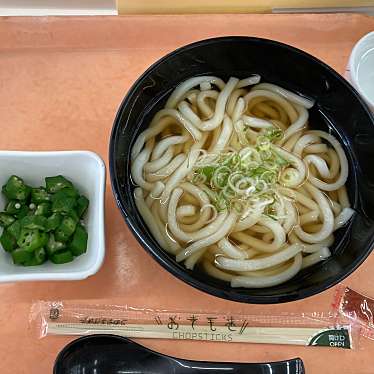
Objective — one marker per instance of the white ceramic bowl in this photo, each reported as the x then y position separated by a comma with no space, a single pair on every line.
360,70
87,172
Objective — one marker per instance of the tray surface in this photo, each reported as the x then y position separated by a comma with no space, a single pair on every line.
61,82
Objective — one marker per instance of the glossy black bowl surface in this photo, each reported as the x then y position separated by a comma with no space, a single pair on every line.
338,109
110,354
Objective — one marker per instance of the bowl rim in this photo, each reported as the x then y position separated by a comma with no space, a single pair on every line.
353,67
66,275
163,258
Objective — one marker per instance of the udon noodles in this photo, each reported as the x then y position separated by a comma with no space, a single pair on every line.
231,178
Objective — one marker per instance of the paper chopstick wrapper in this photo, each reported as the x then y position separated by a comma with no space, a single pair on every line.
310,329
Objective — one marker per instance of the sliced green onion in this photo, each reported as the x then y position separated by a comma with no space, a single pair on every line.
243,180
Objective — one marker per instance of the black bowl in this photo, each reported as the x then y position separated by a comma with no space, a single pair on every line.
338,109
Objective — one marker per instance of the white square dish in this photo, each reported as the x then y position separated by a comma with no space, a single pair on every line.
87,172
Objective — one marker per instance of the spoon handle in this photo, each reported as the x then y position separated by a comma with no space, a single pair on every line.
111,354
292,366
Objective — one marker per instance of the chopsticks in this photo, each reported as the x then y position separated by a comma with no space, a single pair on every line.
264,335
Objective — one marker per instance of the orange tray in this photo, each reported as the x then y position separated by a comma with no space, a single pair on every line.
61,81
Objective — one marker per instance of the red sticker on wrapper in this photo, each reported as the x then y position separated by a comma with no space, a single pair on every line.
357,307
